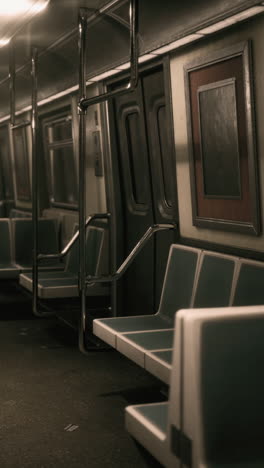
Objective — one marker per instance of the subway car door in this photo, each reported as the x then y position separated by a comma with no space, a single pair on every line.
144,181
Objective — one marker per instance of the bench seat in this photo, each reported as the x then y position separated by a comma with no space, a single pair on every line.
63,284
135,345
210,279
209,282
176,293
110,328
154,416
215,414
52,285
159,364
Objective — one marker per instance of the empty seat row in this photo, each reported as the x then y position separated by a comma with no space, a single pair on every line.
58,284
16,241
193,278
215,414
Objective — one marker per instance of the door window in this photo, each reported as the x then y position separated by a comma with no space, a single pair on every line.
62,164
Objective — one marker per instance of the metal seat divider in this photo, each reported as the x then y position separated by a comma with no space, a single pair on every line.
74,239
132,255
83,105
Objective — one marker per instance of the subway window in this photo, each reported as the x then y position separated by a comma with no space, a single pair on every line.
61,160
6,181
22,177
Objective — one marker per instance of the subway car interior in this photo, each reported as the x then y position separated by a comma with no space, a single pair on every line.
131,168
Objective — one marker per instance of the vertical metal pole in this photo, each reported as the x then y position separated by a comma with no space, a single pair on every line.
12,79
34,132
82,175
133,15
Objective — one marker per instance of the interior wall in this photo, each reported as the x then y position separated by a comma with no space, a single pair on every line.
95,185
254,30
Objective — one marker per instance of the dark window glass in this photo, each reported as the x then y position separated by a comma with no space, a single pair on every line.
62,165
5,165
219,139
59,131
64,184
21,164
134,153
164,151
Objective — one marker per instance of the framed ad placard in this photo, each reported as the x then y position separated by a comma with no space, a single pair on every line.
221,139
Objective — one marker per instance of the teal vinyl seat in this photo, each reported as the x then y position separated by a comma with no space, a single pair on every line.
23,241
59,284
249,288
8,269
176,293
215,414
212,288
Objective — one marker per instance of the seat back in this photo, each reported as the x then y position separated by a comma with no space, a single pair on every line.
249,289
5,242
215,279
178,281
216,398
94,243
23,238
15,213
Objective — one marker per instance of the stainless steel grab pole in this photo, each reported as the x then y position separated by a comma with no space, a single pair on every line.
84,102
12,90
83,105
12,82
34,133
82,166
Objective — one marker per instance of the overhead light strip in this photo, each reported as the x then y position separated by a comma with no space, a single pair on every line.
179,43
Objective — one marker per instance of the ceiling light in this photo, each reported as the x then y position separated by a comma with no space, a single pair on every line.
105,75
39,7
18,7
176,44
14,14
4,42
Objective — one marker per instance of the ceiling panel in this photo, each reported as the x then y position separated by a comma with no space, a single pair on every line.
55,34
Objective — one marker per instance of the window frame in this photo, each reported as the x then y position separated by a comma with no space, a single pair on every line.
56,117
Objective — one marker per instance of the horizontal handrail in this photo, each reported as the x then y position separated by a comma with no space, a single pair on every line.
74,238
26,123
134,252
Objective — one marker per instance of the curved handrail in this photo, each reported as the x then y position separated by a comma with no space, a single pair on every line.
25,123
133,254
121,270
74,238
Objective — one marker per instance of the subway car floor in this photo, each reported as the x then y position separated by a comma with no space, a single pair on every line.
60,408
